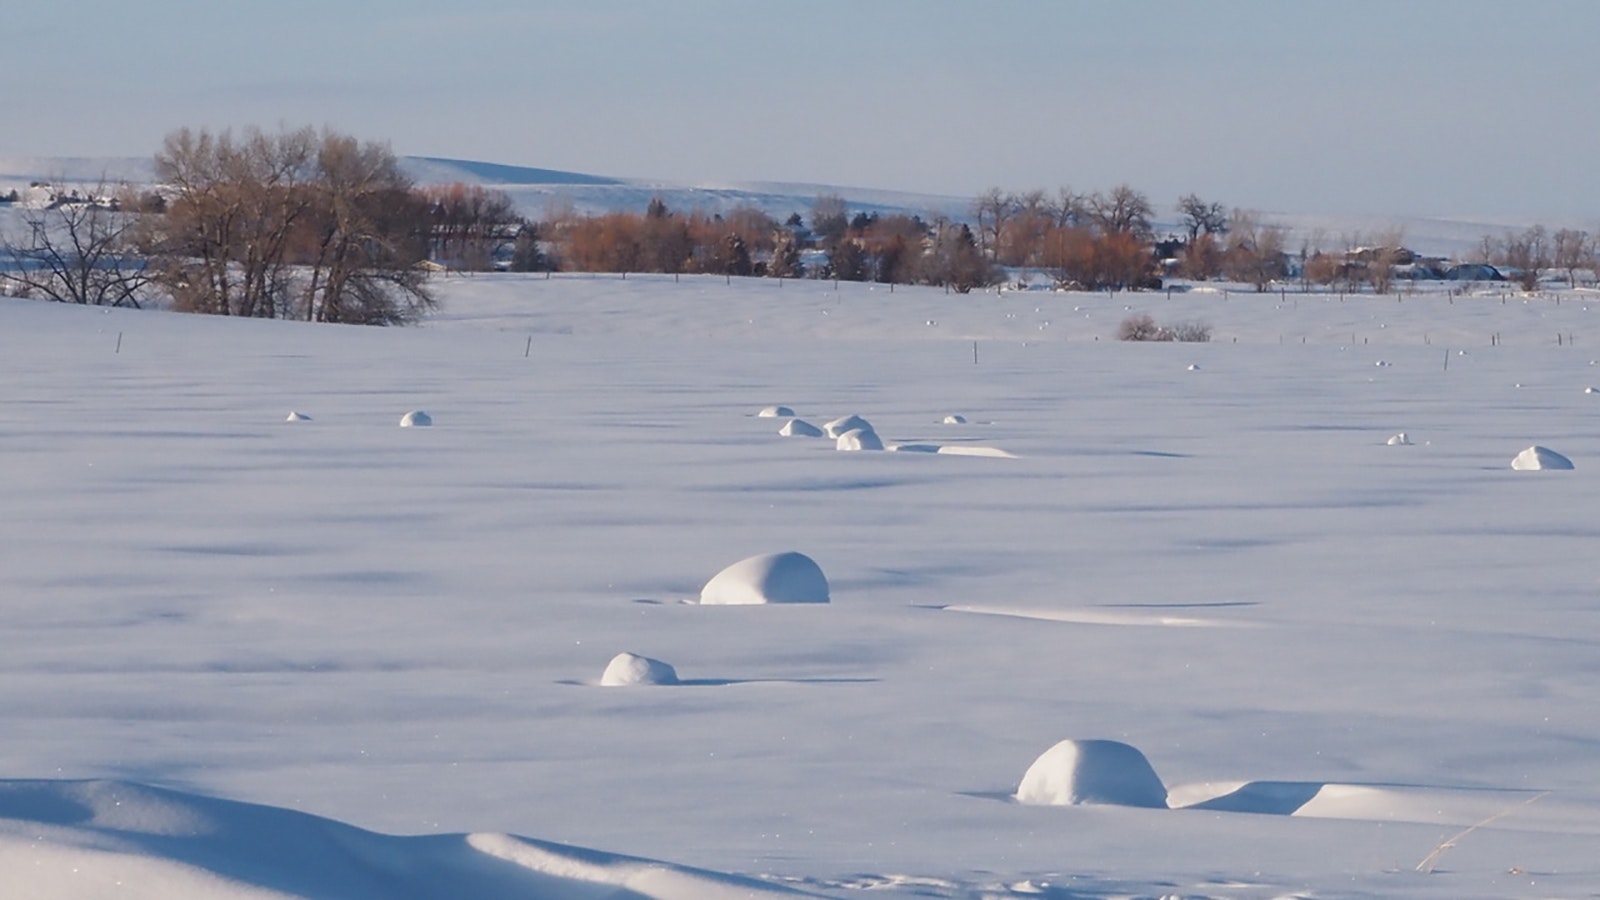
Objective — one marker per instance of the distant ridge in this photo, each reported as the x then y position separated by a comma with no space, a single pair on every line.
88,170
438,170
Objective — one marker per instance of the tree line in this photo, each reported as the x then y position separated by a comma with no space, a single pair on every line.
745,241
319,226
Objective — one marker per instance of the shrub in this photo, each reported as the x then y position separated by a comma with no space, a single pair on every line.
1140,328
1190,332
1143,327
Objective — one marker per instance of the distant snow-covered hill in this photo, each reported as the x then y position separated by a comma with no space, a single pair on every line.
539,192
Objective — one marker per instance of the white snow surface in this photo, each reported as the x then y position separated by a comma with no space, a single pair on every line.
243,660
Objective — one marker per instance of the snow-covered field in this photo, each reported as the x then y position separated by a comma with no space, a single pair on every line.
1337,654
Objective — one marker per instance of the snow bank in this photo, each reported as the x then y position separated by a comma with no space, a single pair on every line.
630,668
66,840
1095,771
859,439
416,419
1537,457
799,428
771,578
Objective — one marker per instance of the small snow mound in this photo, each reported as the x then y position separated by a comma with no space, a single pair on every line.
1096,771
1194,367
630,668
1537,457
860,439
1590,390
1400,440
1383,364
770,578
846,423
953,419
775,412
799,428
297,417
416,419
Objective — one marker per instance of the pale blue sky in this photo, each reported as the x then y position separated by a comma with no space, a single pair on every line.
1423,107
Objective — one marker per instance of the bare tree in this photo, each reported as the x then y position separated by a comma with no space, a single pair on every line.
830,219
470,225
1021,238
1573,250
992,209
955,260
80,249
1255,252
1122,211
1070,208
366,232
1200,216
1527,252
222,246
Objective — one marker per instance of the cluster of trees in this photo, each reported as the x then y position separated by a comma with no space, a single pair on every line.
298,224
1524,253
896,249
1103,240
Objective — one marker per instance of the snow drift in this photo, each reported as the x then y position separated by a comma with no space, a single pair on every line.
630,668
799,428
1537,457
1093,771
843,424
859,439
771,578
67,840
